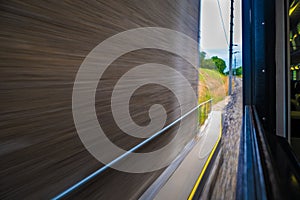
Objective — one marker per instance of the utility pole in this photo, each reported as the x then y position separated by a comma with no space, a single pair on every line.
234,68
230,48
235,63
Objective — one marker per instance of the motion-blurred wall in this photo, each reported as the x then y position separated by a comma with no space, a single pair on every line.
42,45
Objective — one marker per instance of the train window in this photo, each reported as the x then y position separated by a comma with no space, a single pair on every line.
294,40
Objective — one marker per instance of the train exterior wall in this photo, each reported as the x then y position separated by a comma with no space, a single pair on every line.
42,45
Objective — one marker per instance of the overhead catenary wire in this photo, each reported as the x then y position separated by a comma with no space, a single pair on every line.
222,22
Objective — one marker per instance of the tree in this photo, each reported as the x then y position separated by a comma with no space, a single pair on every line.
208,64
202,57
219,63
214,62
238,71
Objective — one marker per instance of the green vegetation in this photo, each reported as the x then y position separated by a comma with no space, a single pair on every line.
203,112
213,84
214,63
220,64
238,71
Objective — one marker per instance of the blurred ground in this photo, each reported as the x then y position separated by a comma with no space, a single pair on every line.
222,181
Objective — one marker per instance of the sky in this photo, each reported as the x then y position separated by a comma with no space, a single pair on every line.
212,39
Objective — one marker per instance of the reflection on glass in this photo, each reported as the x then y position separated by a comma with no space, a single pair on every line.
294,39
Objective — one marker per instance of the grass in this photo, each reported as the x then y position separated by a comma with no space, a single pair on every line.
212,85
203,112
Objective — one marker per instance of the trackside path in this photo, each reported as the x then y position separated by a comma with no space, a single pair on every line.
224,177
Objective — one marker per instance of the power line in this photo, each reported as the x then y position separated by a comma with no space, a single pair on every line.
222,21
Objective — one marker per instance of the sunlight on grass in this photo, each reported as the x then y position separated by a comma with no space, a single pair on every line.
212,85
